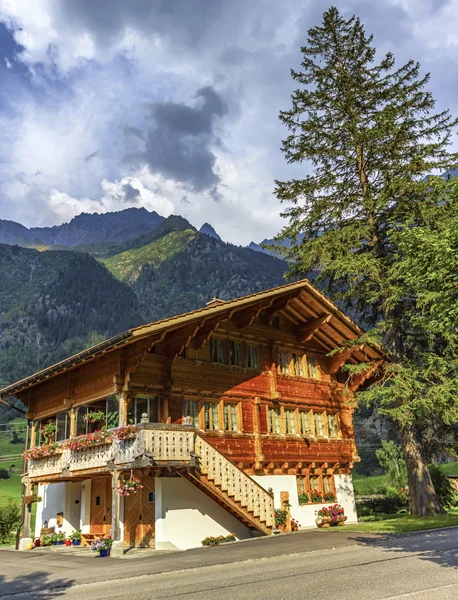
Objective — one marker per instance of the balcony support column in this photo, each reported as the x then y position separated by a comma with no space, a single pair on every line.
123,408
27,490
115,532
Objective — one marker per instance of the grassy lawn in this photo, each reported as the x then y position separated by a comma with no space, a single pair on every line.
10,489
403,523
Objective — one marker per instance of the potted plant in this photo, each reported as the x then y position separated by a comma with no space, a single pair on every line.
67,542
126,487
126,432
316,496
330,515
102,545
94,416
295,525
329,497
303,498
75,537
49,432
46,540
58,539
30,499
281,514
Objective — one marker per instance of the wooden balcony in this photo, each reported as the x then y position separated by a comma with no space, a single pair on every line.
163,444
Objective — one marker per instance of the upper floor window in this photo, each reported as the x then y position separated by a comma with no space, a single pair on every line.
292,363
211,415
53,429
143,405
230,417
289,421
305,422
318,423
94,416
273,420
333,425
230,352
235,354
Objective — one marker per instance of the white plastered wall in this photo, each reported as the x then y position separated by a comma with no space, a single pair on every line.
185,516
305,514
72,499
52,502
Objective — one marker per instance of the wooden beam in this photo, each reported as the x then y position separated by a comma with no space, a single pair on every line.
307,331
244,318
358,380
2,401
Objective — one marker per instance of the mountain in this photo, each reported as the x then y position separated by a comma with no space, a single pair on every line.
209,230
53,304
83,229
272,242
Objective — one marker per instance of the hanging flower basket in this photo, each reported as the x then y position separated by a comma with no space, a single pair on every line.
31,499
130,486
94,416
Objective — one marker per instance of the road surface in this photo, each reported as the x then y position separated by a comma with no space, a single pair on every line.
413,567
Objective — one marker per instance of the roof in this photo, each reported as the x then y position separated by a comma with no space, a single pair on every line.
300,301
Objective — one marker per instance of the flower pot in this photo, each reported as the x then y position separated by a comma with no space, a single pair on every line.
76,542
68,542
281,527
60,543
323,522
104,553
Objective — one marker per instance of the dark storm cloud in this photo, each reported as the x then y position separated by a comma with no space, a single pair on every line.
179,146
131,194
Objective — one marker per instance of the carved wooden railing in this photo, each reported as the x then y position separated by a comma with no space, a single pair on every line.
235,482
164,443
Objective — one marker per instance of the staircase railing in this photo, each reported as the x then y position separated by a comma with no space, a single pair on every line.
235,482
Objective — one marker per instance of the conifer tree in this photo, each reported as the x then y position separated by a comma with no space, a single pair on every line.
371,138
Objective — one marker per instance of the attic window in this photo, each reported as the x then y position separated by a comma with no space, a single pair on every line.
215,302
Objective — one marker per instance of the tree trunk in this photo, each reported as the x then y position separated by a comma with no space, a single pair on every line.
423,498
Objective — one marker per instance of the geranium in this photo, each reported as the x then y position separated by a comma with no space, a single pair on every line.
127,432
97,438
130,486
43,451
316,496
334,512
94,416
329,497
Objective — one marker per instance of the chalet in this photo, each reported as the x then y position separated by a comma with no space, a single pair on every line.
219,414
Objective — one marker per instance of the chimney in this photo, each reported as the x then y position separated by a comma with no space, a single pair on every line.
215,302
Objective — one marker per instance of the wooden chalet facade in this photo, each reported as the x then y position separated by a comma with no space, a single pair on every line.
233,405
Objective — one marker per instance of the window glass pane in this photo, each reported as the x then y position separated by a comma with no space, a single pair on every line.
297,360
112,418
254,357
312,370
81,424
314,483
274,420
289,421
61,423
332,426
211,415
238,354
191,409
318,424
230,417
214,349
327,484
141,408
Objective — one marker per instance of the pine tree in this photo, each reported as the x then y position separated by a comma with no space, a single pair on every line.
370,134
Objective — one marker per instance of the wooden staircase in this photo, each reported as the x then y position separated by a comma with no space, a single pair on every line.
231,488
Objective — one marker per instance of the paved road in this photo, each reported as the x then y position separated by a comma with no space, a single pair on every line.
347,567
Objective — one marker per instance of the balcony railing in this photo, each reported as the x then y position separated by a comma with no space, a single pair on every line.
163,443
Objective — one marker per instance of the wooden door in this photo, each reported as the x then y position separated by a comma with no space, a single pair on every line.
100,506
139,515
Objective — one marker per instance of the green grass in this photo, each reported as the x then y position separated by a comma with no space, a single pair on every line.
10,489
404,523
365,485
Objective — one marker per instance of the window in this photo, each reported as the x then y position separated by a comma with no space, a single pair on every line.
251,356
143,404
312,368
297,364
63,426
191,409
62,432
301,484
327,487
230,417
273,420
289,421
211,415
218,348
314,484
332,425
235,353
318,421
304,422
150,497
283,362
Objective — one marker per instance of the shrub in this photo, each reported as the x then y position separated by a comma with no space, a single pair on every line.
10,517
4,474
443,486
390,503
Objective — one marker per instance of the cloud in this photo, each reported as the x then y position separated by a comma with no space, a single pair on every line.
179,146
121,78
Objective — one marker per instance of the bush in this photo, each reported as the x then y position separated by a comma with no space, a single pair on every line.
443,486
391,503
10,517
4,474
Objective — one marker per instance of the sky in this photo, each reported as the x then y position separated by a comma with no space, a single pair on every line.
173,104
